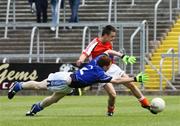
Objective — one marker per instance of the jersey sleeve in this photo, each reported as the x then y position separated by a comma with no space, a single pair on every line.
90,47
103,78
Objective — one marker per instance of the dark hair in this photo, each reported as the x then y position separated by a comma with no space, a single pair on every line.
108,29
104,61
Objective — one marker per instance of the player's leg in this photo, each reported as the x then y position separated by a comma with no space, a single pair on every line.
37,107
57,83
34,85
112,97
137,93
113,71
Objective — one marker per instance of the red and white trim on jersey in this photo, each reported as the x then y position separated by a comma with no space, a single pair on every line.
90,47
96,47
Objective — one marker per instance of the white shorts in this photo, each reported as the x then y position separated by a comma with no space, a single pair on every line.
114,71
58,82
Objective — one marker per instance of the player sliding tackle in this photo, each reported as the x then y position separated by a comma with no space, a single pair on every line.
61,83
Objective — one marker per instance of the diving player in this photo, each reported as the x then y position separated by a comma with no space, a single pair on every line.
61,83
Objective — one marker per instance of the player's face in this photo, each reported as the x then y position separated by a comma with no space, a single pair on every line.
111,36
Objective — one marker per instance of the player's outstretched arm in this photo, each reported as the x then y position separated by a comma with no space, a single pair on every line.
81,59
125,58
138,78
114,53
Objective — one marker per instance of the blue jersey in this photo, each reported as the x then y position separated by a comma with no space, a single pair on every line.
90,74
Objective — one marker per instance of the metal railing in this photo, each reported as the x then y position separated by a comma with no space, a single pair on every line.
178,4
144,26
115,9
7,17
35,29
64,15
86,28
58,60
82,24
132,3
179,53
155,16
158,72
170,51
34,56
5,59
110,10
58,17
14,17
83,3
120,25
170,10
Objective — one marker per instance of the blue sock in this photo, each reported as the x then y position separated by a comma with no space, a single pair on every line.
36,108
18,86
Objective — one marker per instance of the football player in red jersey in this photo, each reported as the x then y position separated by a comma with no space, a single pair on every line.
101,44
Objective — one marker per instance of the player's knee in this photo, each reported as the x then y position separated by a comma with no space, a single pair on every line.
112,95
37,87
130,85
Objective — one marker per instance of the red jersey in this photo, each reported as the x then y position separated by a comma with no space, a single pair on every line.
96,47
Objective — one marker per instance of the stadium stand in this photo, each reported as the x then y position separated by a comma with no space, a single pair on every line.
69,41
170,41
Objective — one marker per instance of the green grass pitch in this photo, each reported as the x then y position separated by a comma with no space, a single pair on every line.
87,111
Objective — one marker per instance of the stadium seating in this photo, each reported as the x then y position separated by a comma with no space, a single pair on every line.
170,41
94,11
69,41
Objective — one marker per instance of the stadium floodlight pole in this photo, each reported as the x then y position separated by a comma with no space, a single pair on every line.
58,17
7,19
155,18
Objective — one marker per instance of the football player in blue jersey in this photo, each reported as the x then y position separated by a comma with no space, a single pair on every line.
62,83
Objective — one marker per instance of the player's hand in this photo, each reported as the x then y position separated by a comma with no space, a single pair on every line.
141,77
79,63
129,59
